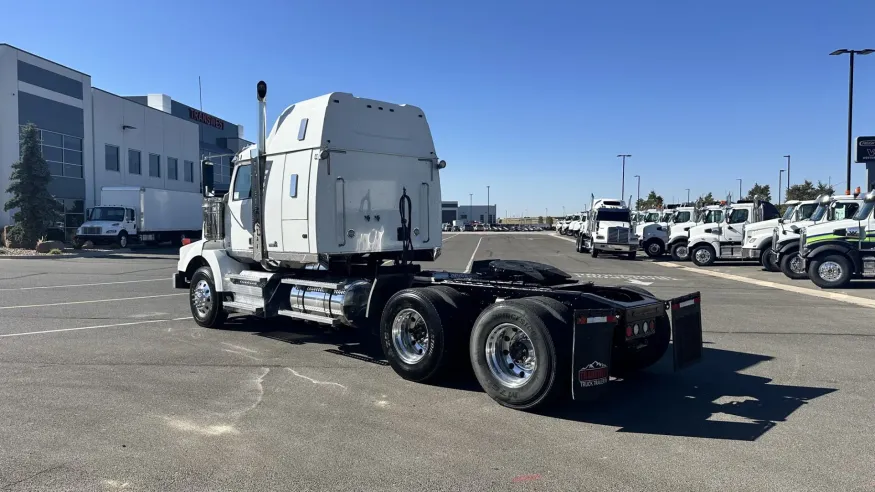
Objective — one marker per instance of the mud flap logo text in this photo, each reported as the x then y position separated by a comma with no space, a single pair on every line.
594,374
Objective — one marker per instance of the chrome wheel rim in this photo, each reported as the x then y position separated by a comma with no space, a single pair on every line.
703,255
830,271
510,355
653,248
681,251
202,298
410,336
796,265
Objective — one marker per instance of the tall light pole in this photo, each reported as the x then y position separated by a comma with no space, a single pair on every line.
739,188
788,171
488,217
623,186
780,174
688,195
470,207
850,100
639,192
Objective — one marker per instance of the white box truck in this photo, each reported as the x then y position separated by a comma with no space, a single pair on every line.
128,214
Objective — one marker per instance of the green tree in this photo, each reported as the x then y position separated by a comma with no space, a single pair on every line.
705,199
824,189
802,191
652,201
762,192
35,208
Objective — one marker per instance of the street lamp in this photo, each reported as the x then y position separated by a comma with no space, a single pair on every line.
639,192
780,174
688,195
470,207
489,217
623,186
850,100
739,188
788,172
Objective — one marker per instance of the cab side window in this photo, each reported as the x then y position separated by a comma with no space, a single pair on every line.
738,216
243,183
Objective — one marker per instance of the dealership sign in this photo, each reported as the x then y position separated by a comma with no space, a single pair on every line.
865,149
205,118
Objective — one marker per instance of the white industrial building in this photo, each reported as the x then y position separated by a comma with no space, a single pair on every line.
91,138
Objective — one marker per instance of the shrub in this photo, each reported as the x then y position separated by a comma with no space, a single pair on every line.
55,251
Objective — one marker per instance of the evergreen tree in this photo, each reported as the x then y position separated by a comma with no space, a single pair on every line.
762,192
36,209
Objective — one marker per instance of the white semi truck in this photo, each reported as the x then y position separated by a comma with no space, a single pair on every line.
682,220
131,214
758,237
344,185
652,232
723,241
609,230
784,241
578,224
835,252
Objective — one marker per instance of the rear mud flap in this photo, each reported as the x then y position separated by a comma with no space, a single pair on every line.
686,329
593,340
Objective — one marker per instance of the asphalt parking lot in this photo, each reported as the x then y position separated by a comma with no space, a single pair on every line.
107,384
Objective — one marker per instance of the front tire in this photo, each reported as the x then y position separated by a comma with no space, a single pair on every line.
703,255
792,266
205,302
122,240
592,251
513,351
767,260
680,252
420,333
654,248
830,271
631,255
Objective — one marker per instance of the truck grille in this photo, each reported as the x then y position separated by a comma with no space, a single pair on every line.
91,230
618,235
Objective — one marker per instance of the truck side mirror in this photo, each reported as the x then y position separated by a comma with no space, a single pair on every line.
781,220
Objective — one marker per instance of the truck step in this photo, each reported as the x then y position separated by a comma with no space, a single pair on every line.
312,283
248,282
325,320
243,307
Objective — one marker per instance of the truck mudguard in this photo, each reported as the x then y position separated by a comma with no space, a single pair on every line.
593,341
686,329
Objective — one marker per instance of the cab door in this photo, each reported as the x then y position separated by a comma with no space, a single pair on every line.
732,233
240,209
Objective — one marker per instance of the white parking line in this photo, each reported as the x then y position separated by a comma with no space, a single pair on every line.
166,279
93,327
92,301
859,301
471,261
557,236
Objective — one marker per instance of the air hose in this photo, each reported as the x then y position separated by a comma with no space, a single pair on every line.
404,230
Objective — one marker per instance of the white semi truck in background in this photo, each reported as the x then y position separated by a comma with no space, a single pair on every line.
344,185
682,220
131,214
723,240
609,229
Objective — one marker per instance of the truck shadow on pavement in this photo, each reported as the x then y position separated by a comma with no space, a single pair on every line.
710,400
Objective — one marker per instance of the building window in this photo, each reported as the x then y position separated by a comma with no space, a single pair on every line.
463,216
134,162
481,217
111,157
188,170
74,216
172,170
154,165
62,153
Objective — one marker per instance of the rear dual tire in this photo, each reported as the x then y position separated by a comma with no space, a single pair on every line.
519,351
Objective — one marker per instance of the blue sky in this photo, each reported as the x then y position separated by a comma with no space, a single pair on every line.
534,99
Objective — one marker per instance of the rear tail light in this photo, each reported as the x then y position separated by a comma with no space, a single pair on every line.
628,331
